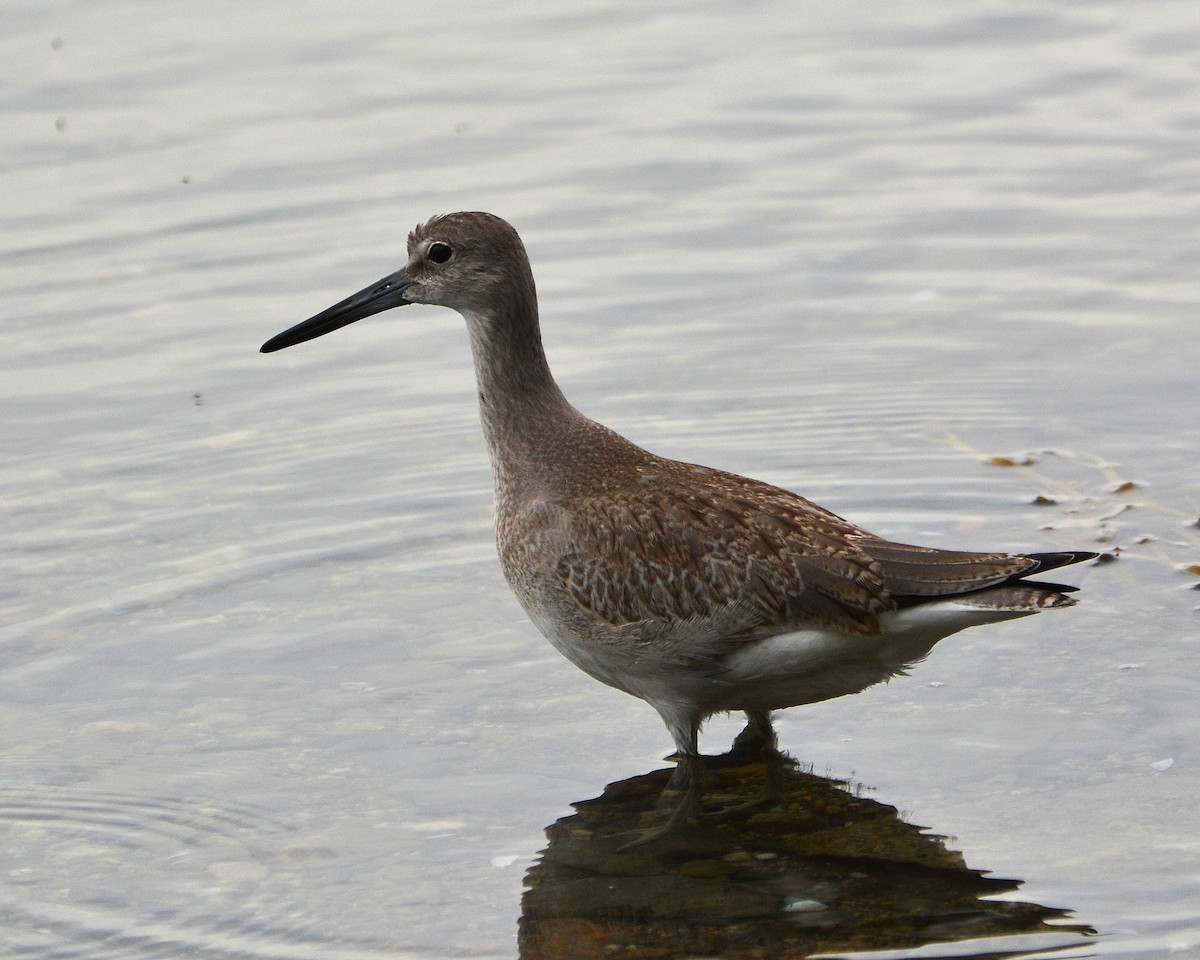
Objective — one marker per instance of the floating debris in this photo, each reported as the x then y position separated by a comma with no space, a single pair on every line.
1165,764
1127,487
1041,500
1002,461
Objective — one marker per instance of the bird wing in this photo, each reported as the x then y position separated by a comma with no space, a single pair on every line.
915,572
728,551
727,557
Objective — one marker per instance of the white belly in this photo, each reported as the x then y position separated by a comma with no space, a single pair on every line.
772,672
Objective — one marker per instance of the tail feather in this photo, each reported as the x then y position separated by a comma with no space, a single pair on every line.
1021,596
1052,561
914,575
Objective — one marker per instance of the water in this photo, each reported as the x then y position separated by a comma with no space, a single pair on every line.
263,692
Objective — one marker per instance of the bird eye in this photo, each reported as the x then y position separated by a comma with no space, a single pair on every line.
439,252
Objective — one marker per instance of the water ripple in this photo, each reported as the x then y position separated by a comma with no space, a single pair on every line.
228,876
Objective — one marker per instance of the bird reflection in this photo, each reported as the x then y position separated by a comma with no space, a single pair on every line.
781,864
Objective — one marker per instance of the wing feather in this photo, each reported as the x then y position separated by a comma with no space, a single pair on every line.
640,555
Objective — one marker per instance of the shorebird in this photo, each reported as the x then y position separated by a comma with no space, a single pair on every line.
697,590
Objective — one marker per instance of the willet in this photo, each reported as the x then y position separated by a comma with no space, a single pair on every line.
698,591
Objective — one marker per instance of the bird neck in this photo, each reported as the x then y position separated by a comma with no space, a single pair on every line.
540,445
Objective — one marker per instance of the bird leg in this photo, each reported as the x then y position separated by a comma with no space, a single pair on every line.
681,796
679,801
758,736
758,740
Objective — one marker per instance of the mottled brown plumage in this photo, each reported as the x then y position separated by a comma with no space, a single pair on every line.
695,589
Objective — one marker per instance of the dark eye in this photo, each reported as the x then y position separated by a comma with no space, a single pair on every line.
439,252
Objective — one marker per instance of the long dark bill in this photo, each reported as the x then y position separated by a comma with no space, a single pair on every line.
387,293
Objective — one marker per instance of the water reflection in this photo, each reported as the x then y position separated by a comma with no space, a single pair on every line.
809,868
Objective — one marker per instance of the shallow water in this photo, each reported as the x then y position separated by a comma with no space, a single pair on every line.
263,691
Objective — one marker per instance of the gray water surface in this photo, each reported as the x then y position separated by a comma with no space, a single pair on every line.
263,692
